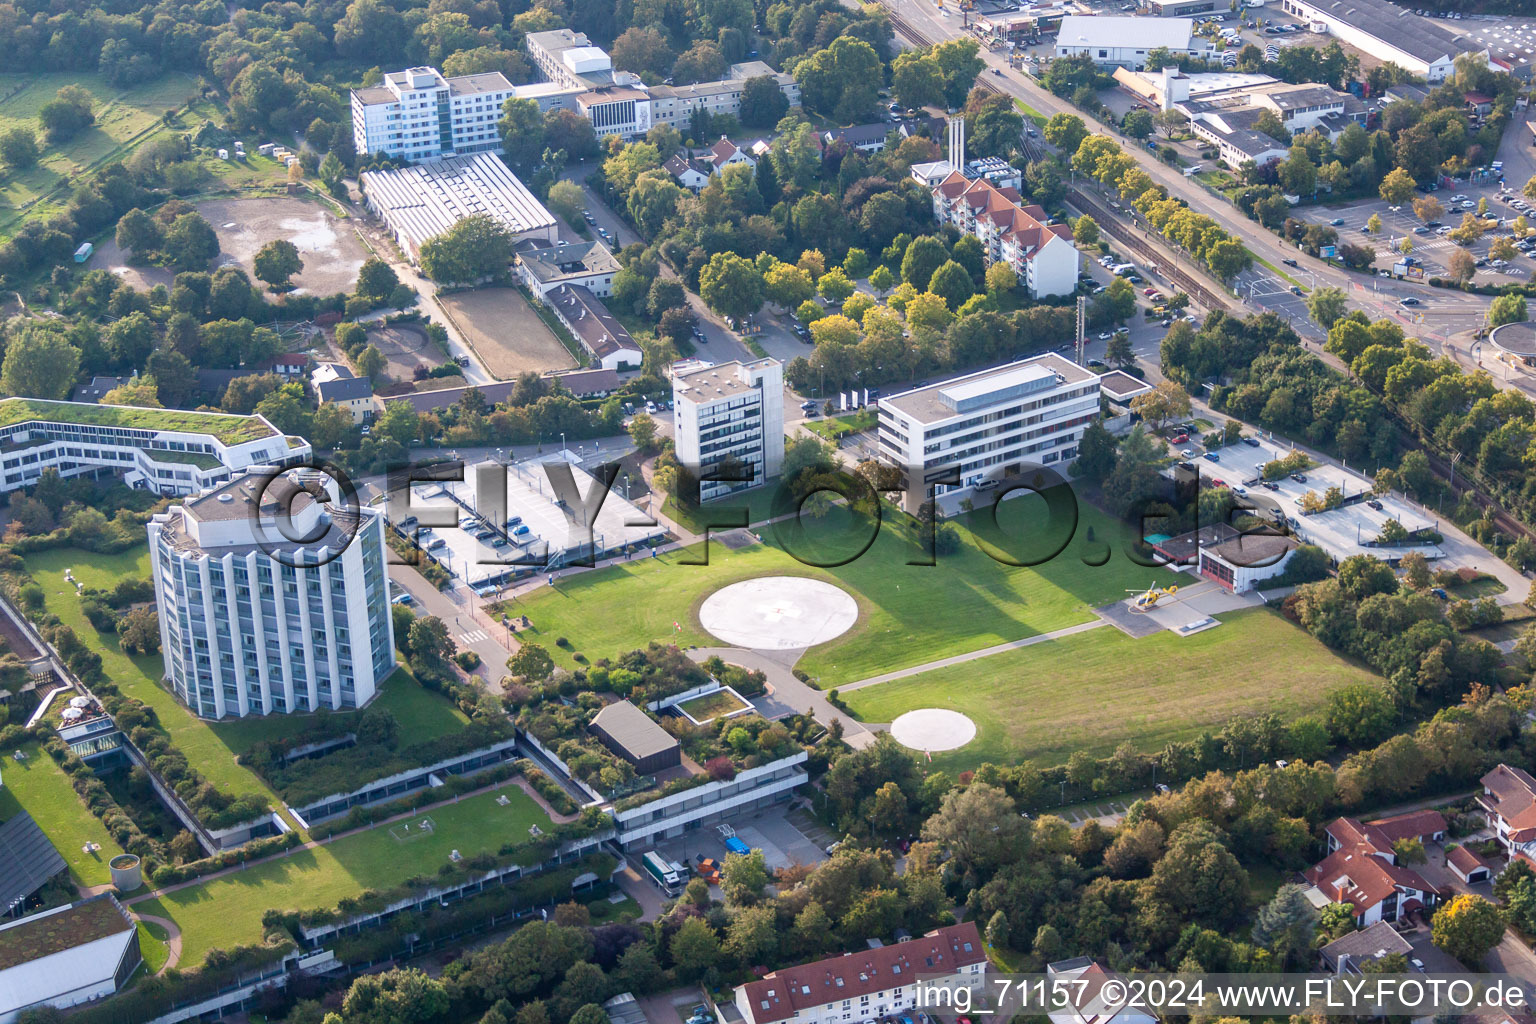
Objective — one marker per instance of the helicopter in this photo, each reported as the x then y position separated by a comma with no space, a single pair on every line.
1149,597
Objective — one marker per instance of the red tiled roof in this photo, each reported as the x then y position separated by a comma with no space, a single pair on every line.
1468,860
779,995
1511,794
1359,876
1023,225
1413,825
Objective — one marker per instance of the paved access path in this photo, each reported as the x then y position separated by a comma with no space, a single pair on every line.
789,690
960,659
172,942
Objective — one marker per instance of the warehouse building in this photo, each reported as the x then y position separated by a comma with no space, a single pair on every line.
631,734
1120,41
418,114
1389,33
424,200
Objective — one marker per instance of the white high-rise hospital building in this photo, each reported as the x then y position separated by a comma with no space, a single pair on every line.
252,623
731,411
418,114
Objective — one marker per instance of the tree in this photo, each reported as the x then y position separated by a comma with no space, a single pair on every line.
372,364
1374,224
399,422
763,103
69,113
834,286
474,248
1507,309
642,430
979,826
1166,402
731,285
1427,208
1467,928
1118,352
744,878
18,148
952,283
191,242
1360,715
40,362
141,391
643,49
1326,305
567,199
139,631
841,80
1502,248
1085,231
916,80
1137,123
331,427
1463,265
276,262
1529,191
1397,187
139,233
521,129
396,996
788,285
376,279
701,62
1287,924
924,255
1066,132
695,949
881,279
531,661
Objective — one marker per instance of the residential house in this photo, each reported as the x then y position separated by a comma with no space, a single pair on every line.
1362,870
1469,865
869,984
597,330
355,394
98,386
726,153
1346,954
686,173
289,364
1509,798
1084,979
866,138
543,266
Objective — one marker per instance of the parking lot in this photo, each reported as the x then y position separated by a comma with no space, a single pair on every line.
1511,39
770,830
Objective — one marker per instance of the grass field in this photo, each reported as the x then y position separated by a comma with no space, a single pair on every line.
152,944
40,787
909,614
223,912
840,426
712,705
1095,690
121,116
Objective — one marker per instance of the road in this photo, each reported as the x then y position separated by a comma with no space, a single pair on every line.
921,19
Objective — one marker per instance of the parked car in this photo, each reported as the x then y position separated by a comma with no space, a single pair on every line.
1300,478
1251,442
1408,301
1212,457
1337,222
1188,453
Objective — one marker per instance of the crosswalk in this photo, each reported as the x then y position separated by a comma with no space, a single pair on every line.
474,636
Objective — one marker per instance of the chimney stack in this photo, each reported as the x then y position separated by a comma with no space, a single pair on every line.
957,142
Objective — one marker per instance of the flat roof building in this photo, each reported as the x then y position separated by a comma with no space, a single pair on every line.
987,425
168,451
1119,41
424,200
418,114
633,735
66,956
252,623
28,862
1389,33
729,413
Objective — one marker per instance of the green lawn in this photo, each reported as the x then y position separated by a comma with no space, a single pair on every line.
137,676
840,426
39,786
152,944
909,614
1095,690
122,116
223,912
758,502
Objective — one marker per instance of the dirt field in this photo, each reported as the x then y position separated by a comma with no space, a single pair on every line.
406,346
109,257
505,332
329,247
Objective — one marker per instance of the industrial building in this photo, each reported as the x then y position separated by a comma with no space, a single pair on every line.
1389,33
418,114
254,623
1119,41
729,413
168,451
66,956
581,77
987,425
424,200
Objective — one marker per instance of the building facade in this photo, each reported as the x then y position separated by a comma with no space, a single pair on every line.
730,412
168,451
1509,801
986,425
1119,41
869,984
66,956
1041,254
418,114
1389,33
252,623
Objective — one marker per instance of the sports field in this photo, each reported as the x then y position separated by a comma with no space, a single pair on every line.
124,118
908,614
1095,690
222,912
38,786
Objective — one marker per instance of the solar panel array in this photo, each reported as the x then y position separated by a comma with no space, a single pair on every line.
426,199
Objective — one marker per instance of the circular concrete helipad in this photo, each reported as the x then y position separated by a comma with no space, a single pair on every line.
778,613
933,729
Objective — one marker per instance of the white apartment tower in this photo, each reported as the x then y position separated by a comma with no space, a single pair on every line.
255,623
729,411
418,114
988,424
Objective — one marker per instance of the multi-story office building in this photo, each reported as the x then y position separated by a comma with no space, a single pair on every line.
255,623
581,77
871,984
168,451
418,114
730,412
987,425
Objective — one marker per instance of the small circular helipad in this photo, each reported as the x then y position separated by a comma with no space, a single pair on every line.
933,729
778,613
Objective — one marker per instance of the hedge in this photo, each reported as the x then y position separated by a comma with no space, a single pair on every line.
172,874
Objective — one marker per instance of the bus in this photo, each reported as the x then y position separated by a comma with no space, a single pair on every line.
662,873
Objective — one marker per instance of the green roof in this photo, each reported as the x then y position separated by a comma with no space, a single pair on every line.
199,459
33,938
229,429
